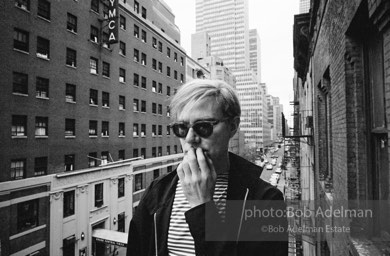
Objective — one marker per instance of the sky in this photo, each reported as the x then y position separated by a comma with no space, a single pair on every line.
274,21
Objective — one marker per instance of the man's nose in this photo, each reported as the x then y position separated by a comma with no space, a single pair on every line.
192,137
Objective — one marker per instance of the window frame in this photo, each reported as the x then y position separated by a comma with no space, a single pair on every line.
70,93
40,166
41,126
69,204
71,23
43,48
18,169
20,83
42,87
27,217
19,126
43,9
21,40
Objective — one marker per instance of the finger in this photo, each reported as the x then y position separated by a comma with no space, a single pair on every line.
180,172
202,161
193,162
186,168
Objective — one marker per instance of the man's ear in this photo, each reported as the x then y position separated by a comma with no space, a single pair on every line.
234,124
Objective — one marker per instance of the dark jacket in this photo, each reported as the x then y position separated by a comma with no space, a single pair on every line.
238,235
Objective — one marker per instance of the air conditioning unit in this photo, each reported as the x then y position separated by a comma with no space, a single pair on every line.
309,122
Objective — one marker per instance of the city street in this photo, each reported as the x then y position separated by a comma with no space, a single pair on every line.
266,174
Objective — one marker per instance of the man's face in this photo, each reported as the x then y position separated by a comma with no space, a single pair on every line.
218,142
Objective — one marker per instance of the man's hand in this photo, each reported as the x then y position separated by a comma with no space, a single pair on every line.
197,176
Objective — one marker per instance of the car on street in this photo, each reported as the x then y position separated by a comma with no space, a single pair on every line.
273,162
269,166
275,176
278,170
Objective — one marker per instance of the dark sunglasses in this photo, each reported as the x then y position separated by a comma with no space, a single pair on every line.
203,129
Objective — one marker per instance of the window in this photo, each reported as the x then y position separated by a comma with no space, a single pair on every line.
135,130
122,75
143,106
27,215
160,130
154,151
95,5
21,40
92,128
122,102
105,99
138,181
136,6
175,57
93,65
143,12
159,151
143,130
70,127
40,166
154,130
94,35
105,11
168,149
98,195
175,74
143,82
93,97
19,126
71,57
105,43
156,173
20,83
122,48
160,88
143,59
121,130
18,169
168,91
44,9
181,61
154,64
135,105
121,154
135,152
154,43
121,222
160,47
41,126
159,109
169,168
168,71
122,22
104,157
68,246
143,153
175,149
168,52
154,108
71,23
69,203
143,36
136,55
160,68
42,87
181,78
121,187
168,130
43,48
136,31
70,93
105,129
136,79
168,112
92,159
69,163
106,69
23,4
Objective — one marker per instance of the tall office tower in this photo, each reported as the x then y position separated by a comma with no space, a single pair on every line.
255,53
200,45
304,6
227,24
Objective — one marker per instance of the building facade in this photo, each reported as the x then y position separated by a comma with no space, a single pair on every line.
341,52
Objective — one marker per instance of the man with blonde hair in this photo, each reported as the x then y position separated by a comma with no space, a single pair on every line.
207,206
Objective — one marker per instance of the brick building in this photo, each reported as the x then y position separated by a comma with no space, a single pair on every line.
72,101
342,56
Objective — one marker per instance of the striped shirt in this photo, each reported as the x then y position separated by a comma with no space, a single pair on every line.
180,241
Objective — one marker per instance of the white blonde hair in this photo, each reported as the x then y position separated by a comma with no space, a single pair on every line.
196,90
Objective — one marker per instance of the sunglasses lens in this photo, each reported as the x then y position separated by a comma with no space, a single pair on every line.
180,130
203,129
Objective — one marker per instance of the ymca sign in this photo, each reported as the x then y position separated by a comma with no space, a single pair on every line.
113,21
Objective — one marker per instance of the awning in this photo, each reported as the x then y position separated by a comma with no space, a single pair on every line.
110,237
